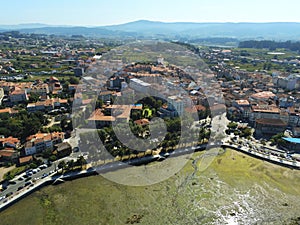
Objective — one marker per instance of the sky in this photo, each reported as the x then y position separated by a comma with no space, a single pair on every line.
109,12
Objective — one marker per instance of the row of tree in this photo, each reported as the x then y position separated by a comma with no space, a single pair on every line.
272,45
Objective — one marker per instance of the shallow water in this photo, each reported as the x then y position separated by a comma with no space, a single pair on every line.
234,189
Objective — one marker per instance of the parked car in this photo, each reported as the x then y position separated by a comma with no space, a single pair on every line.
20,188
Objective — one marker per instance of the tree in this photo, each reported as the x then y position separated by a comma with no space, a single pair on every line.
62,165
232,125
81,161
52,158
71,164
33,97
99,104
74,80
33,165
246,132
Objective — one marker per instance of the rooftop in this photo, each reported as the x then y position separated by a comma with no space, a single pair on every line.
98,115
140,82
25,159
266,108
274,122
263,95
242,102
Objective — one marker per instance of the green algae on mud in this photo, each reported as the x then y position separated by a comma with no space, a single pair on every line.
235,187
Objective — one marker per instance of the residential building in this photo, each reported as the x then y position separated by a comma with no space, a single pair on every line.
78,71
262,96
18,96
139,85
54,85
105,95
40,89
244,107
115,83
39,142
291,82
294,116
104,117
9,155
25,160
174,107
62,149
142,122
47,105
176,103
10,142
98,119
10,111
269,127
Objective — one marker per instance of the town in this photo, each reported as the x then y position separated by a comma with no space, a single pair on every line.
49,111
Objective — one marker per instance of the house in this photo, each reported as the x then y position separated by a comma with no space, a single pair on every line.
40,89
115,83
98,119
142,122
105,95
217,109
18,96
110,113
244,107
46,105
62,149
10,142
54,85
40,142
25,160
73,87
10,111
9,155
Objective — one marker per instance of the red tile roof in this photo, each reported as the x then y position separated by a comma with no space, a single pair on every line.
25,159
142,122
274,122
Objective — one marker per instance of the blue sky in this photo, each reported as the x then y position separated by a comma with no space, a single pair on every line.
107,12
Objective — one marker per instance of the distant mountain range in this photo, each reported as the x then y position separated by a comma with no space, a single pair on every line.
177,30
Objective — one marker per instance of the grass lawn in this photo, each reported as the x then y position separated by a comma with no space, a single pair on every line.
4,170
15,171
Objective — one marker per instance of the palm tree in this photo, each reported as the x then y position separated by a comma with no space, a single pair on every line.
62,165
81,161
71,164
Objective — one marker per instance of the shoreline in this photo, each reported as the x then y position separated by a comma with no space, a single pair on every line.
55,179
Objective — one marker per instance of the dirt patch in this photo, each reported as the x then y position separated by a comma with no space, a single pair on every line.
4,170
